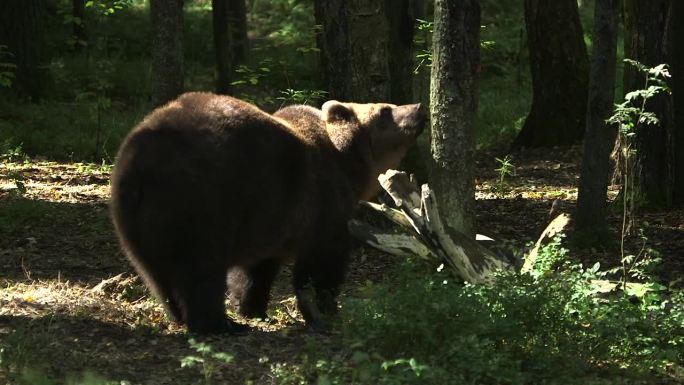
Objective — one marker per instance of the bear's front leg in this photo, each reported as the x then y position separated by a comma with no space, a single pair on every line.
318,276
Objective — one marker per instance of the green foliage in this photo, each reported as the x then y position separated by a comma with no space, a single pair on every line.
550,257
553,326
7,68
12,153
290,96
628,116
505,169
423,40
209,360
103,168
252,76
46,130
108,7
425,55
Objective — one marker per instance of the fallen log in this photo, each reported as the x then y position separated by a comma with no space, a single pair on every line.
420,232
424,234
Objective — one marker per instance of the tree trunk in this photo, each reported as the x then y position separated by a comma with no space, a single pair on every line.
453,109
334,44
646,37
167,50
401,26
237,11
21,23
599,137
560,74
370,51
678,94
366,49
78,24
223,47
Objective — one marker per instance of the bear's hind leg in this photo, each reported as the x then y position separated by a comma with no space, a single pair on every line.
252,287
201,298
163,289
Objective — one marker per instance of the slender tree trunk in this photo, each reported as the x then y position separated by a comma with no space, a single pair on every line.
677,40
237,11
453,110
646,38
599,137
167,50
21,23
560,74
223,47
78,25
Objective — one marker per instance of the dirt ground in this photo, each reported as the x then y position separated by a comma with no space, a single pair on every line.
70,301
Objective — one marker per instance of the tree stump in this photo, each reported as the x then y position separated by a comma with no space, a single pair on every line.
421,232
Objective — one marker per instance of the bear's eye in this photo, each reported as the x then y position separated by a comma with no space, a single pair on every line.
386,112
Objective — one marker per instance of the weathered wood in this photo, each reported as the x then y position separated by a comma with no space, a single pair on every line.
393,242
424,233
557,226
393,215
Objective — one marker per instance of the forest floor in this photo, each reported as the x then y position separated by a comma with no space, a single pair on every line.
70,302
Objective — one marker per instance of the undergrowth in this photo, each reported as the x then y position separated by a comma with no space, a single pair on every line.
550,327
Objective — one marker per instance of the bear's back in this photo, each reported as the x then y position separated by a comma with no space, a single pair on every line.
212,164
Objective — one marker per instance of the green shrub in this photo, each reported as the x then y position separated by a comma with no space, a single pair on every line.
553,328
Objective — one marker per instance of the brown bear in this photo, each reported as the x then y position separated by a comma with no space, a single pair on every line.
209,183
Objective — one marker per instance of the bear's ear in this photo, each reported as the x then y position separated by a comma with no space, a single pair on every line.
334,111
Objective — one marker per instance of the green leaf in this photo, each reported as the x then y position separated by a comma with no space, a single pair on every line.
224,357
191,361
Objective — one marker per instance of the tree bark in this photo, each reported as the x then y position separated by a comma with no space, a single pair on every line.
223,47
453,109
646,40
401,23
366,49
237,11
21,23
167,50
334,44
78,24
370,51
677,40
560,74
599,136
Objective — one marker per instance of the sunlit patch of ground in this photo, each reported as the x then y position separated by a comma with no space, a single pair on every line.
56,182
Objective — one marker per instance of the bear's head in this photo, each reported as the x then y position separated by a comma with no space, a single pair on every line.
379,134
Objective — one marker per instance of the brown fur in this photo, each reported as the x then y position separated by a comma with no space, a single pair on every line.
209,183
